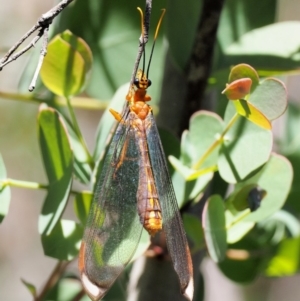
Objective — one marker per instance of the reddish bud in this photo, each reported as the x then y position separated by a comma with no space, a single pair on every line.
238,89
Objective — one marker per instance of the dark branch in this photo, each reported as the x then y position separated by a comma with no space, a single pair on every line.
46,19
199,65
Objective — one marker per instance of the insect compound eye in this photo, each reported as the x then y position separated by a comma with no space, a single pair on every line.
149,82
136,82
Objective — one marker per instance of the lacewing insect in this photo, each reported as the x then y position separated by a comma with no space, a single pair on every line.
134,192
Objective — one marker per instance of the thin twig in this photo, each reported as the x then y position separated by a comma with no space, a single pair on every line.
52,280
143,39
42,24
79,134
43,53
79,296
8,59
53,12
13,48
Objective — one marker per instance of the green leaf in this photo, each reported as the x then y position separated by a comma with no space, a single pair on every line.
58,162
264,47
237,210
63,242
193,228
204,129
246,147
239,198
237,228
82,169
290,142
66,65
82,205
267,101
246,259
68,288
241,71
276,179
200,292
290,222
270,41
171,145
232,26
213,219
186,189
270,98
250,112
81,46
196,167
290,147
181,35
5,194
31,288
286,260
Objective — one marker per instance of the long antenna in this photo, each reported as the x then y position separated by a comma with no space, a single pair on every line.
143,37
155,37
146,20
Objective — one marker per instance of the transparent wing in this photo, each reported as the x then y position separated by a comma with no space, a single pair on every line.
113,228
172,223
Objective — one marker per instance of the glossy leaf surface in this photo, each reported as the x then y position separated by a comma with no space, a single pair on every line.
270,97
204,129
276,179
246,147
74,56
194,231
180,42
195,169
250,112
82,168
63,241
213,222
82,205
58,162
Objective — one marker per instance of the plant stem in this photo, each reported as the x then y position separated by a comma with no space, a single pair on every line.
217,142
53,279
79,296
240,217
23,184
76,102
79,135
28,185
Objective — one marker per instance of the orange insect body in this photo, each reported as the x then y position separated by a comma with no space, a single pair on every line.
137,97
147,198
